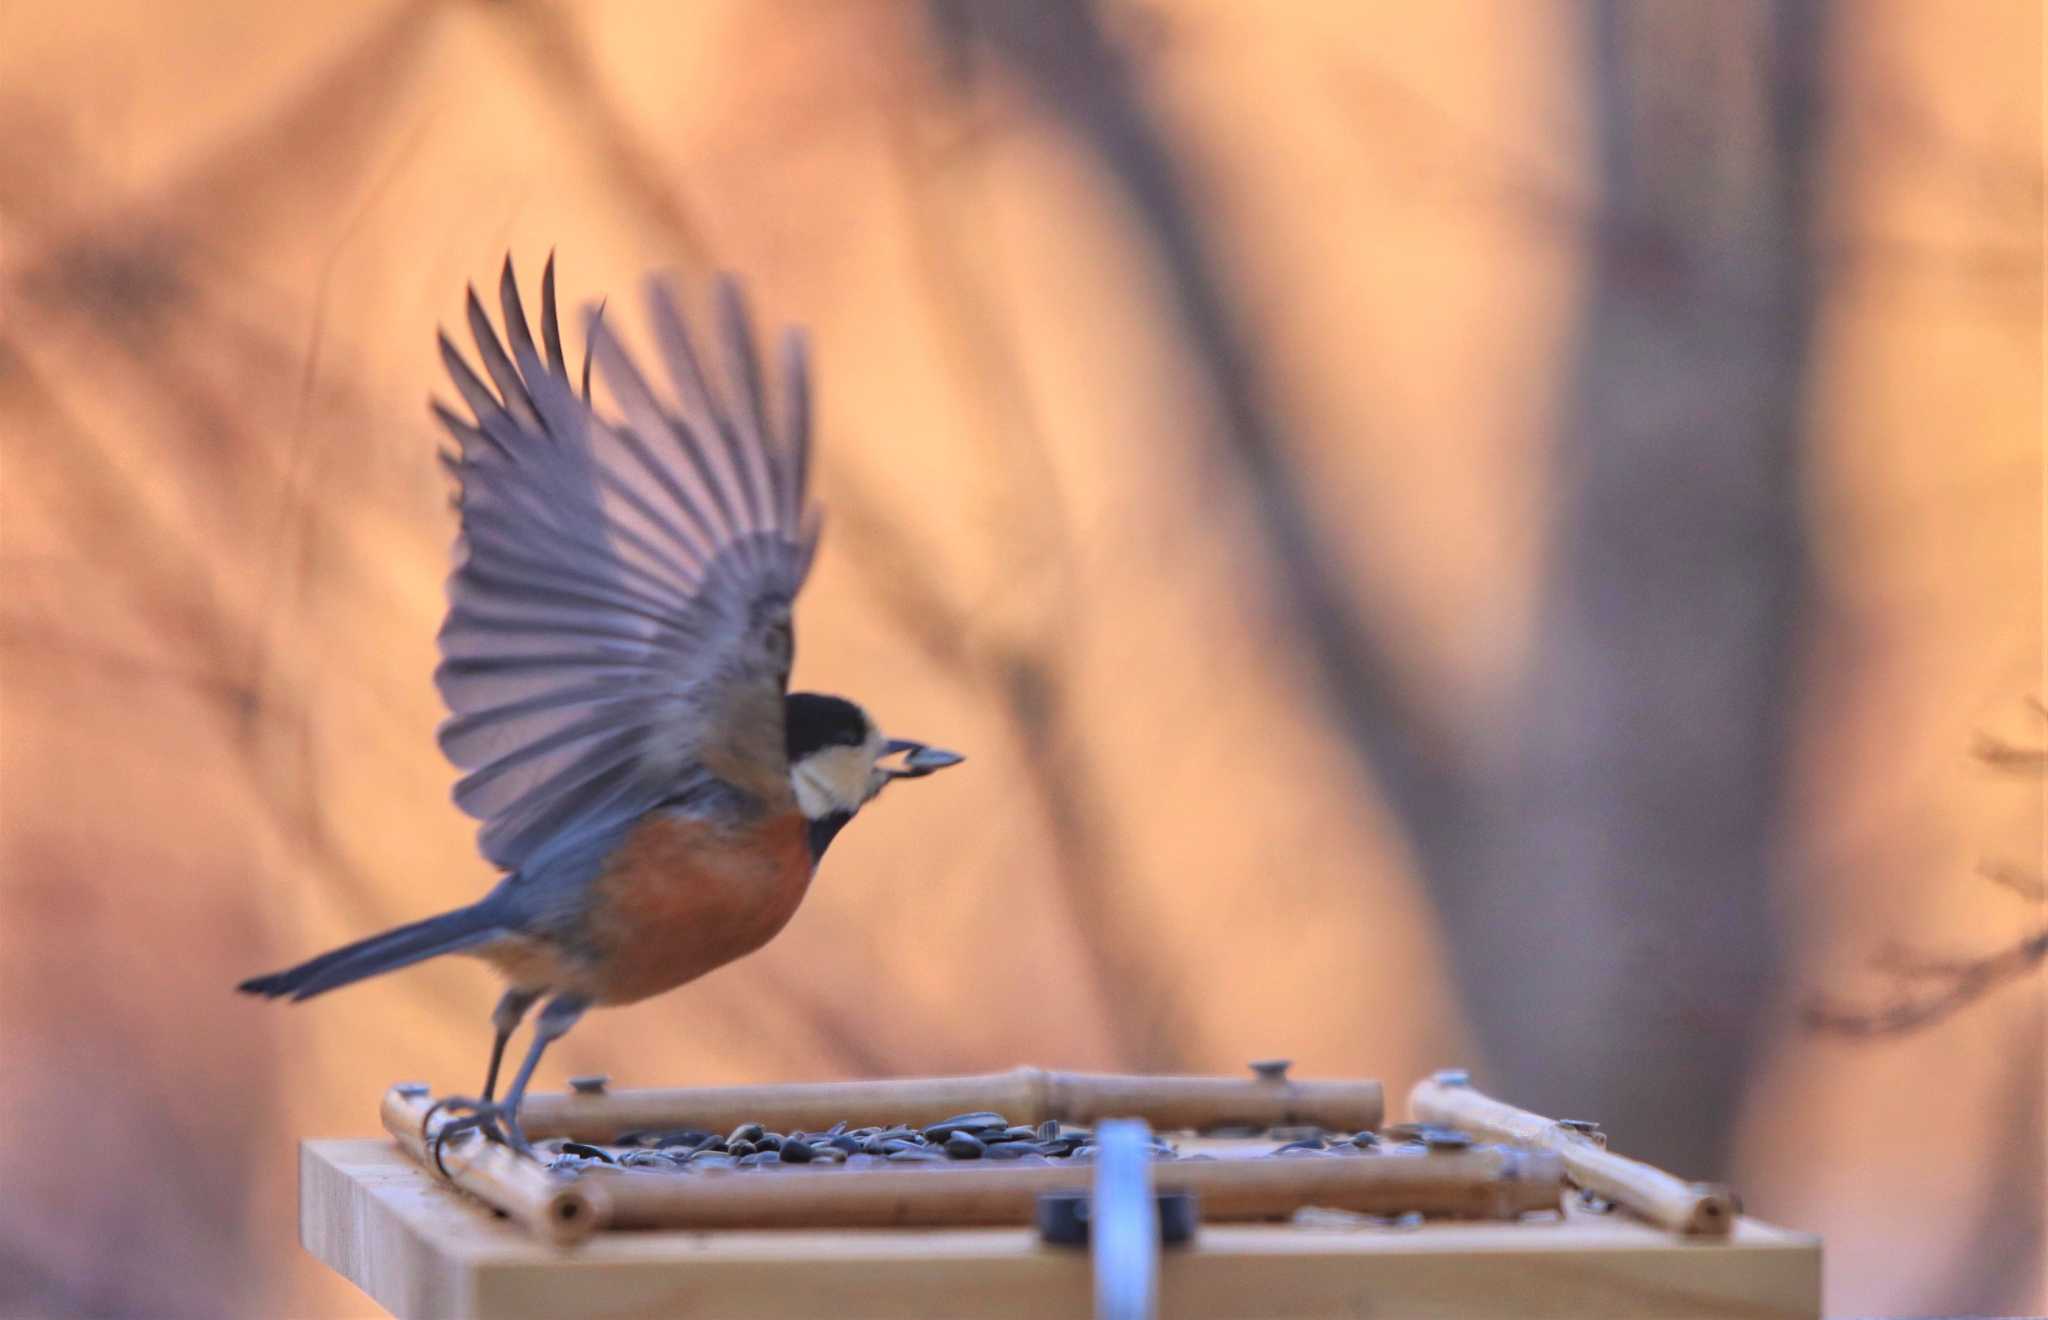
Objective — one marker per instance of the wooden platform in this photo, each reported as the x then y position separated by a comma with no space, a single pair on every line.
423,1250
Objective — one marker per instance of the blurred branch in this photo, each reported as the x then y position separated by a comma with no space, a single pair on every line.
2010,758
296,504
1060,54
2028,887
138,280
969,329
1911,1004
1447,156
1926,988
234,698
572,84
1141,1011
167,585
1464,165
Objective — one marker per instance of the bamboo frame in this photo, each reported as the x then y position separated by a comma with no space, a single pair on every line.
1480,1183
1662,1198
1023,1095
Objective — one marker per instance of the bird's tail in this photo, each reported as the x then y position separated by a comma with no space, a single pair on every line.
450,932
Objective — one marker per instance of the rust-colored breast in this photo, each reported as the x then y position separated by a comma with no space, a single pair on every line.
682,897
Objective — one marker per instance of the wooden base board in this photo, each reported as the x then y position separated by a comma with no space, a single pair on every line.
424,1250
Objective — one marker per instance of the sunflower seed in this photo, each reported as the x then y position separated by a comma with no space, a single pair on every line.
650,1159
980,1121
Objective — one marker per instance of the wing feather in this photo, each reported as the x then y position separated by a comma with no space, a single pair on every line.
497,365
618,622
702,420
796,425
550,324
749,415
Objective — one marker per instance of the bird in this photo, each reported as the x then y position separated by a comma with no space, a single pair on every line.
615,659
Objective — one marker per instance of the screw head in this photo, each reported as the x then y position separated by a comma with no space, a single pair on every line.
593,1084
1271,1070
1452,1077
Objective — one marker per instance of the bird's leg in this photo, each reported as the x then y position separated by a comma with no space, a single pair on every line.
511,1010
559,1015
482,1114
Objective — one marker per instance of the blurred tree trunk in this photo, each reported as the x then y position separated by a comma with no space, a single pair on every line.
1613,932
1604,877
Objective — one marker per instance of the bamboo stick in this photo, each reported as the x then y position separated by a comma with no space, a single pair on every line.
1494,1183
557,1209
1024,1095
1662,1198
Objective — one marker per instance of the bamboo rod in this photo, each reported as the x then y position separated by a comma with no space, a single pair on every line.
1494,1183
557,1209
1481,1183
1664,1199
1024,1095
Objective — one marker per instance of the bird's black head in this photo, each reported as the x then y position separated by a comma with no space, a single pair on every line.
813,721
838,761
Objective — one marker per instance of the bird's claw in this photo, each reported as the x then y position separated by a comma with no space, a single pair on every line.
496,1121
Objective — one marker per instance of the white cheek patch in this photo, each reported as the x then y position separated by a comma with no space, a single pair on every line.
834,779
811,798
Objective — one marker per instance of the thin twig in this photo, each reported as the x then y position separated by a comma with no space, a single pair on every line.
1909,1007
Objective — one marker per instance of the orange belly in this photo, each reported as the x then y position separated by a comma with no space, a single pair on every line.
681,898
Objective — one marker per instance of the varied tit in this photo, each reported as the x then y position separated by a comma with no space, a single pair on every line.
615,660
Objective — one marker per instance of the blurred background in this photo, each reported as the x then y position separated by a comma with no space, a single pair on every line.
1469,533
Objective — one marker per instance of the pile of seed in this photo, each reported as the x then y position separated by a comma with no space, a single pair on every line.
978,1136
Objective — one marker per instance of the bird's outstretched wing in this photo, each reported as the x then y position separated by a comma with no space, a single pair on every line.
618,627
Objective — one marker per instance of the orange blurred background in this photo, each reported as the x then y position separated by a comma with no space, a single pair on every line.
1461,533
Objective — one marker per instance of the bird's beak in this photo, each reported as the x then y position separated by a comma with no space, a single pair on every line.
918,759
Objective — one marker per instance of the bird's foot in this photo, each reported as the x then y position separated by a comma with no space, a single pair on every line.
494,1119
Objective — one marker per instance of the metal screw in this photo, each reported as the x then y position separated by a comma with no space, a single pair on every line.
1271,1070
1452,1077
593,1084
413,1090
